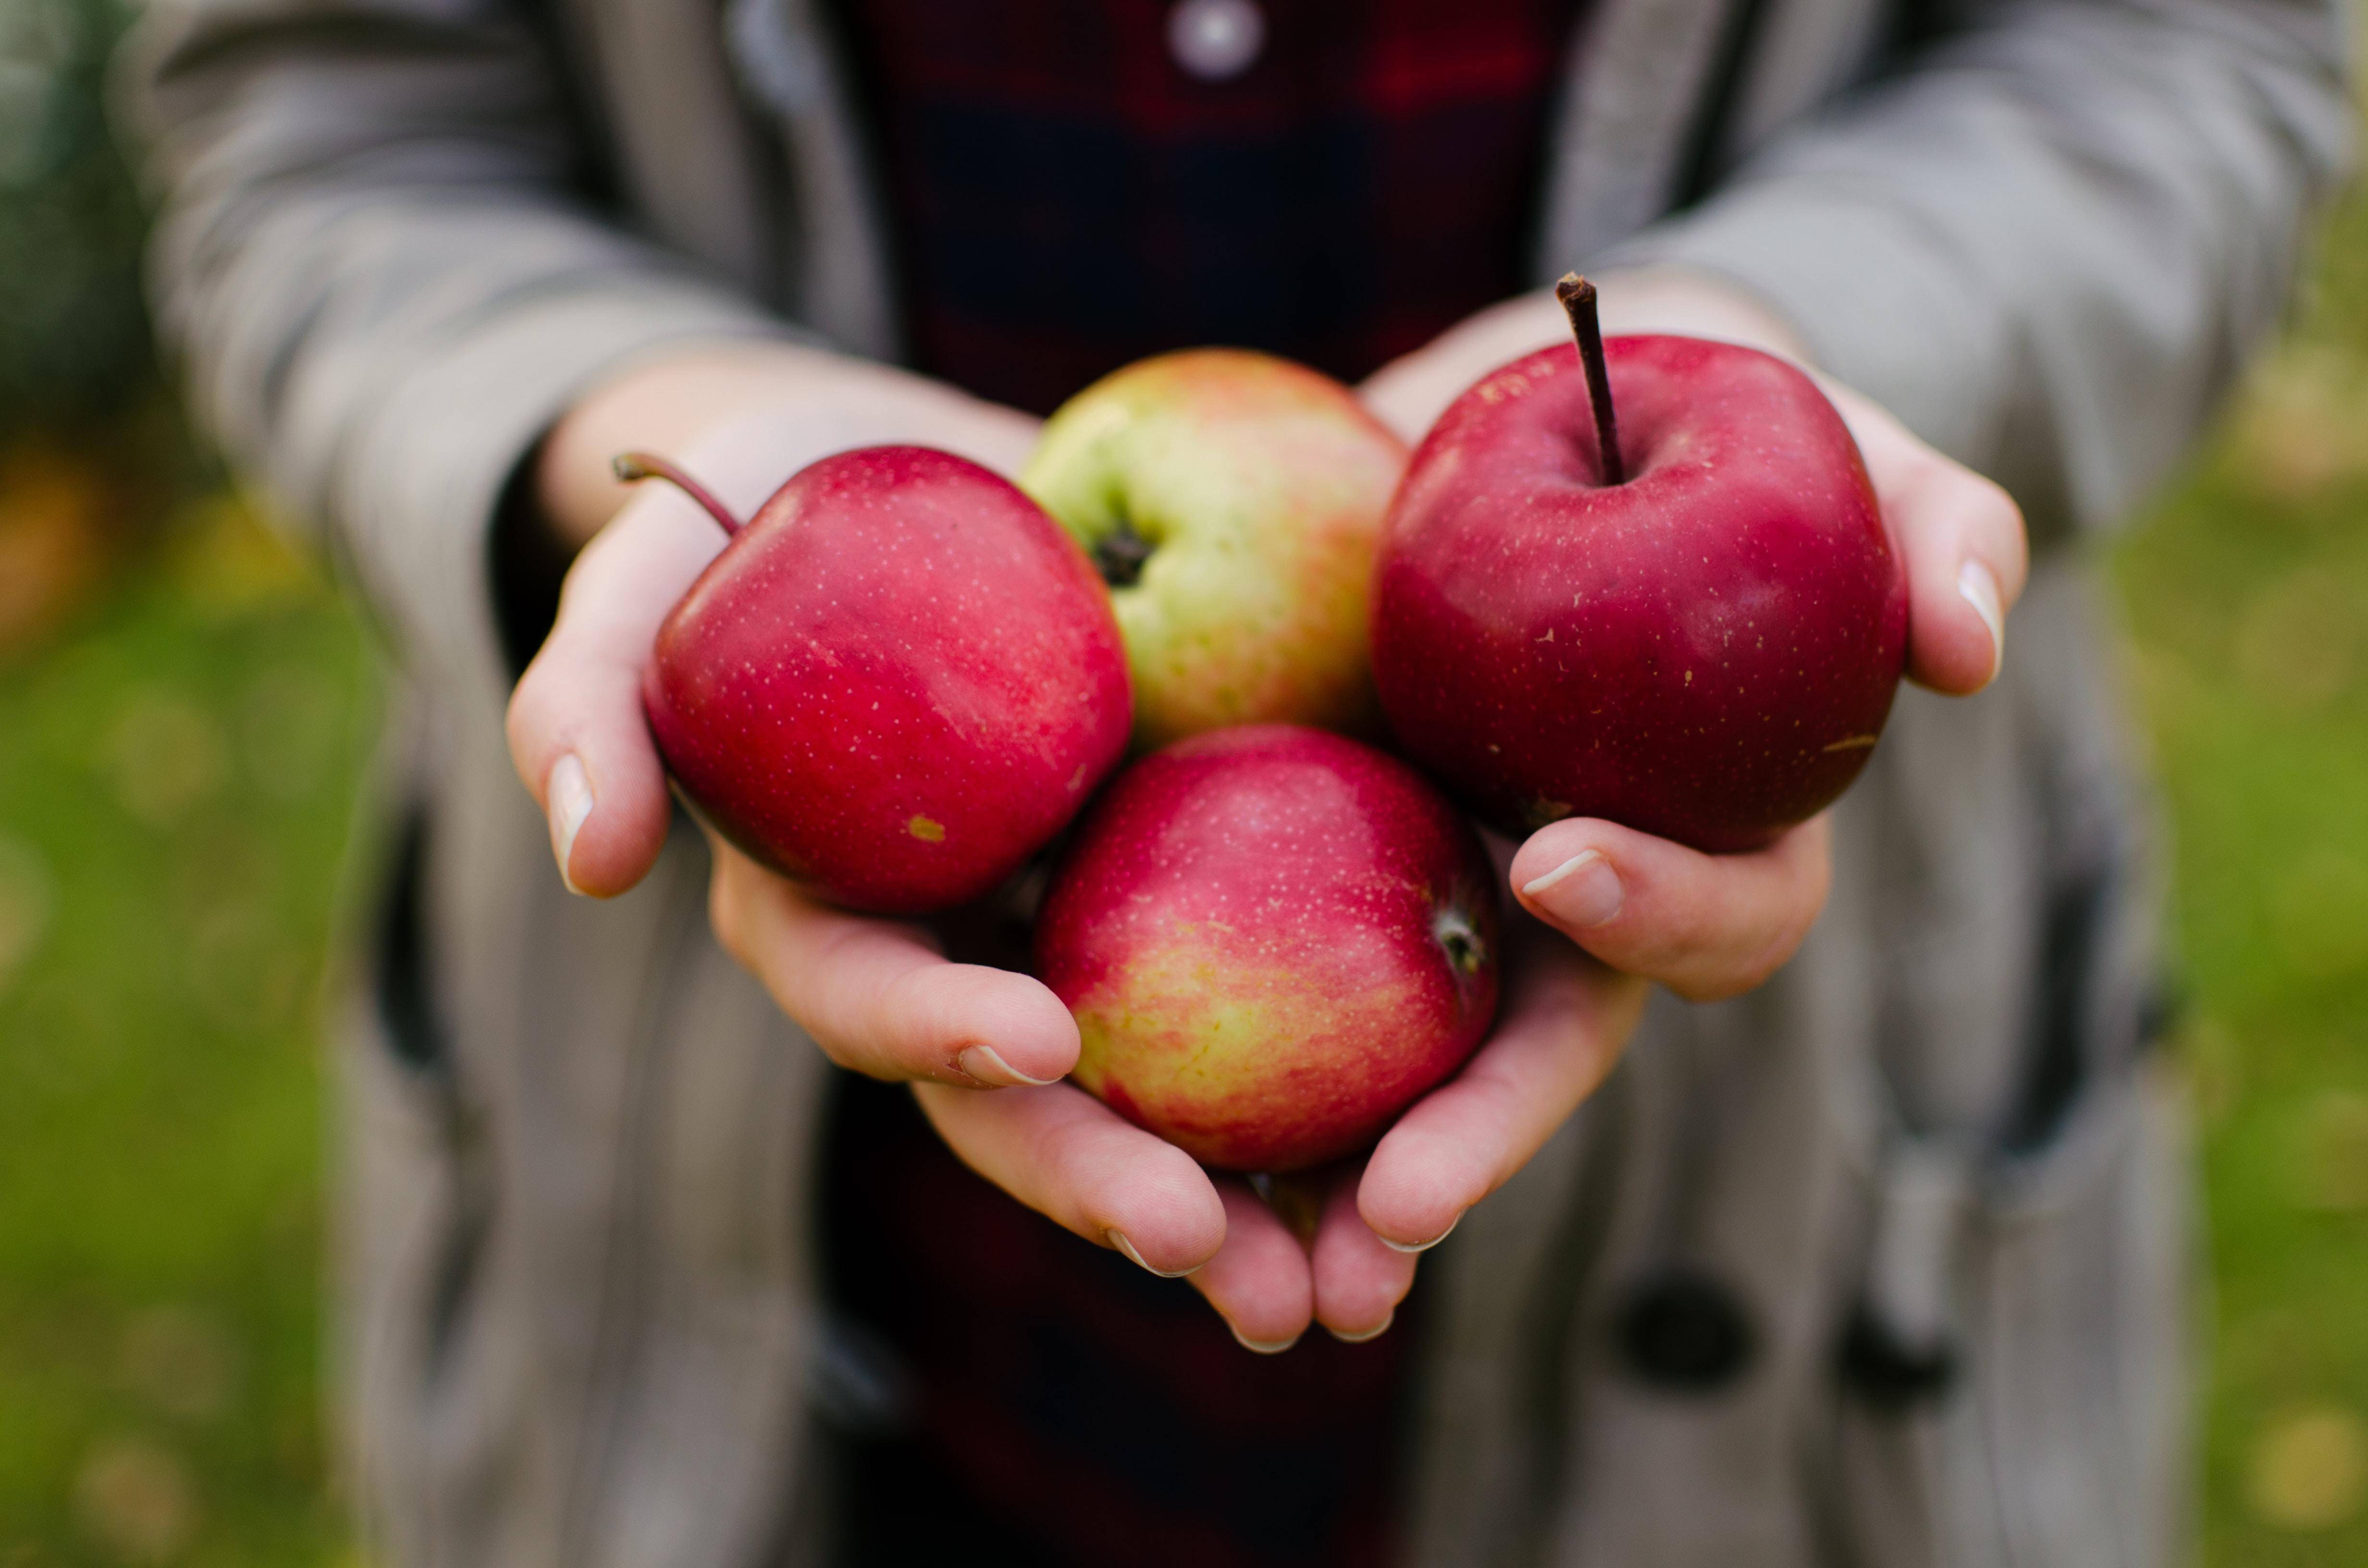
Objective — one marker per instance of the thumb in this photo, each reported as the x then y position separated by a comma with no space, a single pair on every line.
1962,542
576,733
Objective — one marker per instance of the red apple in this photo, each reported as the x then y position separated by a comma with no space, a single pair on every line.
1701,643
1273,939
895,684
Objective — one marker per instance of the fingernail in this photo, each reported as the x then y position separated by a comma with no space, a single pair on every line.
569,789
1264,1347
1583,891
1423,1246
1118,1238
1979,586
986,1064
1375,1332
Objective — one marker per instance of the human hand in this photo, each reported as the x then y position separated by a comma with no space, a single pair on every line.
1339,1246
1960,537
877,997
1635,906
1336,1246
886,1000
883,998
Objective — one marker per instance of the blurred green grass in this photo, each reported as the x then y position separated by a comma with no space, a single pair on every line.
2245,597
177,780
178,767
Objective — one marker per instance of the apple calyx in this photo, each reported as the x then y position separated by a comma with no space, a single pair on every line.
1118,555
630,467
1460,938
1578,297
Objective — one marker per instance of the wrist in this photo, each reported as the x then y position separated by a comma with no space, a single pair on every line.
745,416
1697,304
1409,392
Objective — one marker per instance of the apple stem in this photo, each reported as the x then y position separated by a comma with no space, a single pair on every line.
1578,297
630,467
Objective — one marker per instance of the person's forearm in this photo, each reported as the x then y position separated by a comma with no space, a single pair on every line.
2046,241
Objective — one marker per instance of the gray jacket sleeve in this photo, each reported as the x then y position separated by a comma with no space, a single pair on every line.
2050,240
372,257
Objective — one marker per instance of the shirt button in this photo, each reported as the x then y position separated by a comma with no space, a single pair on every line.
1216,40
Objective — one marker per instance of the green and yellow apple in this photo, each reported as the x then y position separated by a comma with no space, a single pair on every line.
1233,502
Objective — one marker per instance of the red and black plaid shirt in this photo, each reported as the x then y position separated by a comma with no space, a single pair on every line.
1066,198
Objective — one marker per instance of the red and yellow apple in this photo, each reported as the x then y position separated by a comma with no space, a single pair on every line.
894,685
1272,939
1233,502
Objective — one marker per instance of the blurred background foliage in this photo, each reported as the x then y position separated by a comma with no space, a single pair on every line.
186,717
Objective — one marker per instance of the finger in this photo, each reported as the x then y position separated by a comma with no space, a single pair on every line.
1068,1156
576,733
1704,925
1259,1280
1562,1026
1963,544
878,996
1360,1279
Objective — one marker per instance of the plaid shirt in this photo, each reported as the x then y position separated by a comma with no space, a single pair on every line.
1068,197
1064,1409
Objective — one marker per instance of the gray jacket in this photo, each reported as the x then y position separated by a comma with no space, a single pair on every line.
1920,1196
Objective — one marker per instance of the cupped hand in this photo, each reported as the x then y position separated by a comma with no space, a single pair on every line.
1712,925
1632,907
981,1045
877,997
1338,1247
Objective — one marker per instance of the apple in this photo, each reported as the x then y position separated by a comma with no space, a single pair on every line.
894,685
1233,502
1646,580
1272,939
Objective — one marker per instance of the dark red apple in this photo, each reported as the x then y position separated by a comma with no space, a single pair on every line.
894,685
1272,939
1701,643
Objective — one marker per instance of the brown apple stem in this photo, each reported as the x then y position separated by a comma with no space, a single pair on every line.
1578,297
632,467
